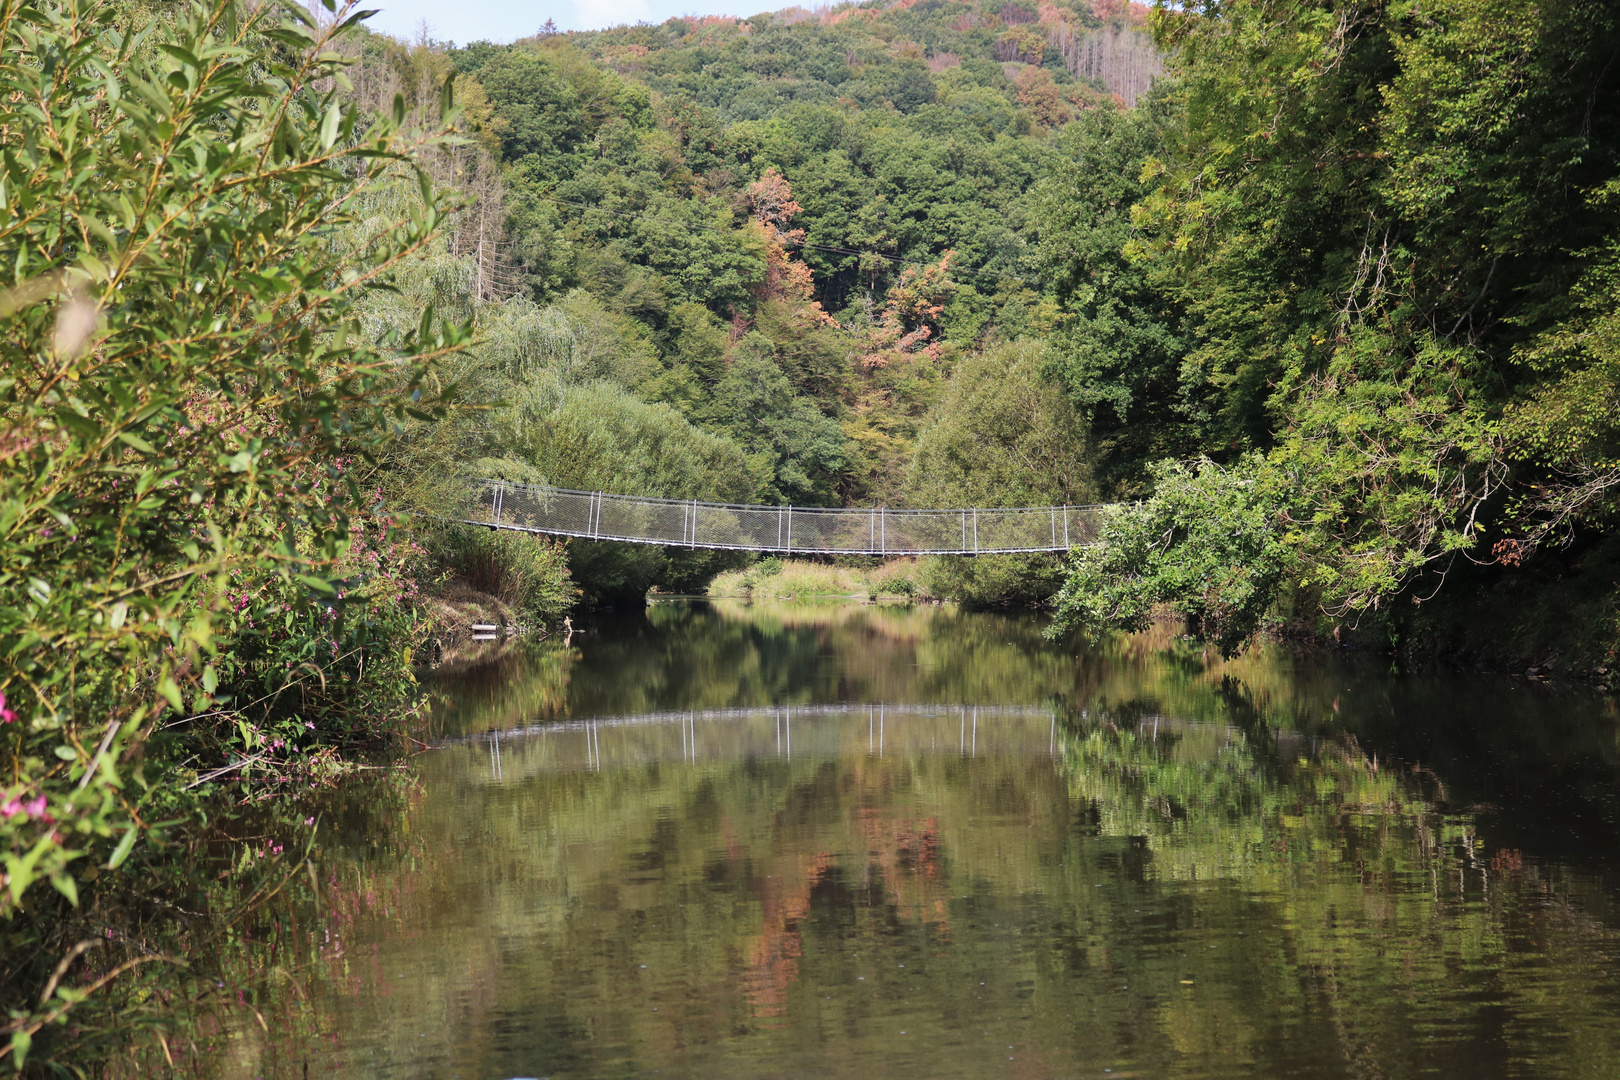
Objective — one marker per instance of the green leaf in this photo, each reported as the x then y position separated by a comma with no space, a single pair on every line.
21,1043
357,17
130,439
329,125
81,424
64,883
125,846
171,693
179,54
67,753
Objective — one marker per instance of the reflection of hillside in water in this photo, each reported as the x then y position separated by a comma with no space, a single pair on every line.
745,842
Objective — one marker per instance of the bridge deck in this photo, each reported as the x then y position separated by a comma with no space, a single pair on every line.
787,530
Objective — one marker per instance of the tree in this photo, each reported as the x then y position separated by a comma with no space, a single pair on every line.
796,450
1207,543
1120,348
1001,436
1365,216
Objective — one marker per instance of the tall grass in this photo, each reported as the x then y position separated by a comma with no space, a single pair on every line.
774,577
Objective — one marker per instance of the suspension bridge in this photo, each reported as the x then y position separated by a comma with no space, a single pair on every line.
784,530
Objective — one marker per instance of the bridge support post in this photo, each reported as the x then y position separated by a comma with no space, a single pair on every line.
883,531
975,530
1066,544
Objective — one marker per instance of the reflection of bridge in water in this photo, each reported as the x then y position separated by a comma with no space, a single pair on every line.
816,731
793,530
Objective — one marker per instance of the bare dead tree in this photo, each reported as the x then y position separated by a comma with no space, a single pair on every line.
1123,59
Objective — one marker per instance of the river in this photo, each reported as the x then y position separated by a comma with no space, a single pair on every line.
727,840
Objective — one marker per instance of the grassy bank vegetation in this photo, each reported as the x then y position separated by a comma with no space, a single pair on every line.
783,579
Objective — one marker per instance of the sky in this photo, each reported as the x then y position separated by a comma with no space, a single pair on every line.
463,21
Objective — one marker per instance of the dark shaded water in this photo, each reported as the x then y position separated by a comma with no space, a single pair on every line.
856,841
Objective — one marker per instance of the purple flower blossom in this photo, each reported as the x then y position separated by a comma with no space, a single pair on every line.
6,715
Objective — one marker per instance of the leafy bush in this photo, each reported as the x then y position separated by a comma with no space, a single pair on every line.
896,586
984,581
187,388
527,573
1209,543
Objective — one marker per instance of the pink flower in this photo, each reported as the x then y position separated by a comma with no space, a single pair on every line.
34,808
6,715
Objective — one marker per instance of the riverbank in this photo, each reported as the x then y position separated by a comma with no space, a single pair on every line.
1555,618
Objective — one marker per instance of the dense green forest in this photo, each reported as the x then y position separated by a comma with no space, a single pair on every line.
790,234
1325,296
1331,287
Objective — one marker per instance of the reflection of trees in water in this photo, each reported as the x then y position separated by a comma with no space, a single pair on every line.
528,680
773,955
1374,910
1395,919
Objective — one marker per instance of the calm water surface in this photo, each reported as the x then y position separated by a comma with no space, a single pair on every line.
884,842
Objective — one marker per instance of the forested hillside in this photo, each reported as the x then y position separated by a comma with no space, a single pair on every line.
1352,259
793,224
768,241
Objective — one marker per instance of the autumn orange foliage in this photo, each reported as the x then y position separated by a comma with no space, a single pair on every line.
787,279
909,322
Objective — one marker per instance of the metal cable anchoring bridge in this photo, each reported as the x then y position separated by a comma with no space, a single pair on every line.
787,530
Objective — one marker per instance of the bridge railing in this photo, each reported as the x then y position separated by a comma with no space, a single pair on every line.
785,529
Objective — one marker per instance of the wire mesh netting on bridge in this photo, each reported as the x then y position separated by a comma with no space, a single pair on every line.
784,529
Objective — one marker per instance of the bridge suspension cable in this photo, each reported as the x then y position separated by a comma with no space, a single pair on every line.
786,530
